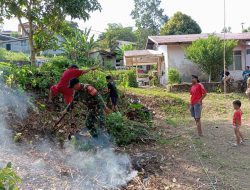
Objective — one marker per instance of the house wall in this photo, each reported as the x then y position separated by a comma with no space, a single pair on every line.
17,46
103,59
174,57
178,60
164,65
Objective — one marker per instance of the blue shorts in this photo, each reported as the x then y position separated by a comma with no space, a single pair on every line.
196,111
114,100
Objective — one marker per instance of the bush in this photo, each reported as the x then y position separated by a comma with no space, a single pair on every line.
59,62
8,178
124,131
132,79
12,56
173,76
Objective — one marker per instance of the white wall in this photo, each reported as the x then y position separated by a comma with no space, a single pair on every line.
178,60
165,64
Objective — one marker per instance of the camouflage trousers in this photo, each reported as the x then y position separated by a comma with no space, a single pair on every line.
95,120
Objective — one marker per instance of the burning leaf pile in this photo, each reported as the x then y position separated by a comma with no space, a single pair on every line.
42,164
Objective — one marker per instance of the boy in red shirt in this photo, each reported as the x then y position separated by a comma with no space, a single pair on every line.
197,94
62,86
237,122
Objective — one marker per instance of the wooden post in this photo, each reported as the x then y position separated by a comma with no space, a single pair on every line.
136,70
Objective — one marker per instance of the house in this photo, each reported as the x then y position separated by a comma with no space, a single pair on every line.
14,44
172,48
104,57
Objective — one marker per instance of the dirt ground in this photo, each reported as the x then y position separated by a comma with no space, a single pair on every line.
177,159
210,162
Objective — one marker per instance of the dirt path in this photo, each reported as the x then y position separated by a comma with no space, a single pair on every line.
227,166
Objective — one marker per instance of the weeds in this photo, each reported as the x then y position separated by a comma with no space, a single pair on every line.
8,178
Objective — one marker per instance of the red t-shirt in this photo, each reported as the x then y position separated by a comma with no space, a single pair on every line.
237,118
196,92
68,75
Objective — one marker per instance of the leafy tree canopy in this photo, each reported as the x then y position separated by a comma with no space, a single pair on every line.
148,15
208,54
180,24
114,32
246,30
45,18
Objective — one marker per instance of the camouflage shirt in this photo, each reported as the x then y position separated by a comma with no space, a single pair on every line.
92,102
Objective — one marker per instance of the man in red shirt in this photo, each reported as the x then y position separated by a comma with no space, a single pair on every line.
197,94
62,86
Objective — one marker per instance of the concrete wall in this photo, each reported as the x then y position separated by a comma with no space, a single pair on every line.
103,59
17,46
177,60
174,56
164,65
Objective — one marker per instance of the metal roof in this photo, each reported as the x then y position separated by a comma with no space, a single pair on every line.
175,39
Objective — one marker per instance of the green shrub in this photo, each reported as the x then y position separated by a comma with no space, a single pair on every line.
12,56
132,79
173,76
60,62
124,131
8,178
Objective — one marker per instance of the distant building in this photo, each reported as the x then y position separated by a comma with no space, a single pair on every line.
120,43
104,57
172,48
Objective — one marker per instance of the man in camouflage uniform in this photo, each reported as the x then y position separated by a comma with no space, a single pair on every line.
94,102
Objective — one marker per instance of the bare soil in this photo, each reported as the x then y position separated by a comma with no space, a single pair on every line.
171,161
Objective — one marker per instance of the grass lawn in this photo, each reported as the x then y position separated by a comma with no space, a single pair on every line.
228,167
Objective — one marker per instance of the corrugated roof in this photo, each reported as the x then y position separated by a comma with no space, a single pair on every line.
172,39
138,53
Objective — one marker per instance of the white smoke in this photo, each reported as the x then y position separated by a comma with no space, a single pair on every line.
45,166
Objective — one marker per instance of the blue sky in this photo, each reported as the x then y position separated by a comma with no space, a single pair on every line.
208,14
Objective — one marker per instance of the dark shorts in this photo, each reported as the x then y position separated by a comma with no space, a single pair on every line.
114,100
196,111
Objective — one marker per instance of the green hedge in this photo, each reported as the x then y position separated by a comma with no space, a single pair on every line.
49,73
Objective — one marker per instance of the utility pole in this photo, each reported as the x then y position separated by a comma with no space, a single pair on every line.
242,26
224,53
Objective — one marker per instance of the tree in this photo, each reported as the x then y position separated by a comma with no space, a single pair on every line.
148,15
78,44
120,51
180,24
208,54
15,34
148,18
114,32
246,30
226,30
45,18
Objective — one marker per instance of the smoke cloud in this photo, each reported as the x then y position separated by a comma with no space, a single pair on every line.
45,166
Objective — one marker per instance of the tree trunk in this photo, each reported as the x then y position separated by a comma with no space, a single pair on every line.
209,79
31,42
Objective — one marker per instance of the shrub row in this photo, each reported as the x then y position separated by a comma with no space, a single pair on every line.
28,77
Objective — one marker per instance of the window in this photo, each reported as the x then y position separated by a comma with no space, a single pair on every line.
237,64
23,43
8,47
248,51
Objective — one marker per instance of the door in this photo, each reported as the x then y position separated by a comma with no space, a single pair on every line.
248,57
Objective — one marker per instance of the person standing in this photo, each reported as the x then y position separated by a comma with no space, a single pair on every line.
197,94
237,117
248,86
62,86
244,75
112,91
